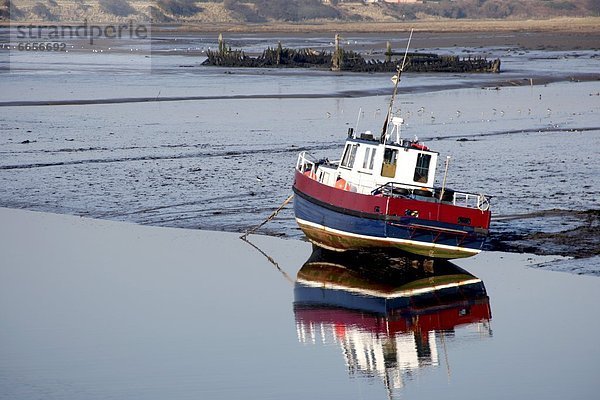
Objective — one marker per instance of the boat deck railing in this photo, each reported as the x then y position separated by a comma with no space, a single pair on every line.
448,196
306,163
471,200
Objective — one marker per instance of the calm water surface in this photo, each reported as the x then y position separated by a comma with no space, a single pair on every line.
94,309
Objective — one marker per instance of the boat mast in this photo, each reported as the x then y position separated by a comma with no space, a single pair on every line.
396,80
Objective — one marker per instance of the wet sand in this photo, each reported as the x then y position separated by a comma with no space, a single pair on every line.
94,309
553,34
499,82
579,241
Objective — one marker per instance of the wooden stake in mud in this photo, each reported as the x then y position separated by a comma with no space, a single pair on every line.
388,52
338,55
273,215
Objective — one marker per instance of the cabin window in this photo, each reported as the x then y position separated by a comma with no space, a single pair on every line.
390,158
366,160
372,158
349,155
422,168
369,158
346,155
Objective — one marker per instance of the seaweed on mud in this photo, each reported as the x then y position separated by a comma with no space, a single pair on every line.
582,241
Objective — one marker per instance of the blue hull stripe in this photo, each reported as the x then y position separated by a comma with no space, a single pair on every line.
379,228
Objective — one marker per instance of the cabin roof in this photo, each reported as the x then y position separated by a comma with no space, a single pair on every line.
372,142
375,142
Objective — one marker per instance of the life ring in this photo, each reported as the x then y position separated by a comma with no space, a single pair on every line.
419,146
448,194
341,184
483,204
400,191
422,192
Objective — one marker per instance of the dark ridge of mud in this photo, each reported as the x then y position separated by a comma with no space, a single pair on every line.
542,129
163,157
92,149
581,241
332,95
495,84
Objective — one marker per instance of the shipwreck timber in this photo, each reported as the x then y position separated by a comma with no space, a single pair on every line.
346,60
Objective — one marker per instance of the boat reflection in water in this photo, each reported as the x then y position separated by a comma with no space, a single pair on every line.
392,314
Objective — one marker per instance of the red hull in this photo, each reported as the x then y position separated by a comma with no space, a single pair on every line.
392,207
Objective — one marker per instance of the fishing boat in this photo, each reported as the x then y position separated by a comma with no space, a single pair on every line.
381,193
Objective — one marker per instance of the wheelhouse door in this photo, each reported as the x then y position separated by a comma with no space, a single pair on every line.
390,160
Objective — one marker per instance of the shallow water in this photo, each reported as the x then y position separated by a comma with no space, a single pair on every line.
105,310
225,162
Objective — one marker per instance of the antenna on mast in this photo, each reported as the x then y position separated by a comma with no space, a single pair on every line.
358,119
396,80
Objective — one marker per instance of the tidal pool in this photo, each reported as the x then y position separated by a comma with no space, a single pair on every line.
95,309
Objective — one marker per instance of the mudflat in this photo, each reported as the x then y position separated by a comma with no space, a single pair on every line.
558,33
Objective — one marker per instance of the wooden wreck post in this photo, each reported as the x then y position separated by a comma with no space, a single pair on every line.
279,52
221,44
336,60
388,52
496,66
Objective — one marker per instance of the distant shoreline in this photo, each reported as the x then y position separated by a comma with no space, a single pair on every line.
554,25
548,34
555,34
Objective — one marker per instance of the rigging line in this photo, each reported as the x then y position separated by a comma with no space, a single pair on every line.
269,218
271,260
